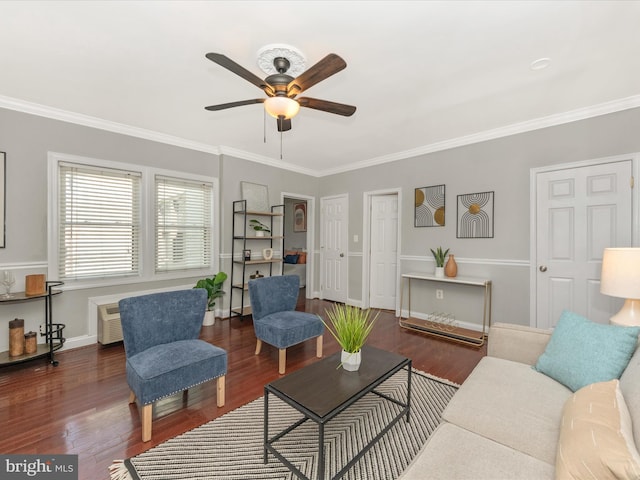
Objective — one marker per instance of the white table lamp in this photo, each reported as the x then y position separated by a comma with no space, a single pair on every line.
621,278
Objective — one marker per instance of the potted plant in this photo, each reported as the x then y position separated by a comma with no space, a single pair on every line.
350,326
259,227
213,286
439,255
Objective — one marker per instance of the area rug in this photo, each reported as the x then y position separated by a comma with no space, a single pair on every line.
231,447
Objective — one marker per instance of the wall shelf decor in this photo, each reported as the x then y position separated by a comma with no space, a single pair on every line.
240,274
429,206
475,215
52,333
443,324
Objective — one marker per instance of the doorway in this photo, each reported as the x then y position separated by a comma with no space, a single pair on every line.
298,231
381,249
577,211
334,248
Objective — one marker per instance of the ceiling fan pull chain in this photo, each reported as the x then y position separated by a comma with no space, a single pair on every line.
264,125
281,145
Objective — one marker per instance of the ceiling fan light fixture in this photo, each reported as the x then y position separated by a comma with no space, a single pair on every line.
281,106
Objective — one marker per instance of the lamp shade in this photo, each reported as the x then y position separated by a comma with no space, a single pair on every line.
281,107
621,272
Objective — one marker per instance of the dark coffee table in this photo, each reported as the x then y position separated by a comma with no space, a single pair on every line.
321,391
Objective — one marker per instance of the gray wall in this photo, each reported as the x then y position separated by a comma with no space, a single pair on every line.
26,139
502,166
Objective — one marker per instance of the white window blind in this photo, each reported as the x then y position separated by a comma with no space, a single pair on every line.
183,224
99,222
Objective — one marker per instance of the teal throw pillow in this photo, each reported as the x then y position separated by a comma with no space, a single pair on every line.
581,352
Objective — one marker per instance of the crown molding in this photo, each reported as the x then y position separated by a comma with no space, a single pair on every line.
516,128
94,122
253,157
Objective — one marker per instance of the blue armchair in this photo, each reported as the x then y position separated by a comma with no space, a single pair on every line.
275,321
164,355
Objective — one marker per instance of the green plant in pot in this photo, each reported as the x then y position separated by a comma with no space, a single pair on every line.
213,286
439,256
259,227
350,326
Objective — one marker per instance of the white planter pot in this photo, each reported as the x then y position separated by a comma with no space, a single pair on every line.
209,318
259,233
439,272
351,361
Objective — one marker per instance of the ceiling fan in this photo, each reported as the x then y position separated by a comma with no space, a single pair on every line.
282,89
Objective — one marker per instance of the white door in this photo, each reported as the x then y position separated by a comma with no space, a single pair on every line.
333,248
579,212
383,258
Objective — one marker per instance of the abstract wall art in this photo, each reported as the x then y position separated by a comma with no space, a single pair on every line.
429,206
300,217
475,215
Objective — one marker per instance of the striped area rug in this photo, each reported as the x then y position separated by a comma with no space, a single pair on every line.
230,447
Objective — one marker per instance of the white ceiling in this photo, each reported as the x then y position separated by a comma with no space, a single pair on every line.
424,75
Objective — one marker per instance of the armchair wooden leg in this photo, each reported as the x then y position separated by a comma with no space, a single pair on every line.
282,361
258,347
147,414
220,393
132,397
319,346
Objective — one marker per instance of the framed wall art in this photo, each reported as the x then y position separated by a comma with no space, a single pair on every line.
256,195
300,217
475,215
429,206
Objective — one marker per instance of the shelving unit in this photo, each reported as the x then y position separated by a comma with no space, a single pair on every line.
440,325
241,241
52,333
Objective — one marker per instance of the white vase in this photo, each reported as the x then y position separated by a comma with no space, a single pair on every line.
209,318
351,361
439,272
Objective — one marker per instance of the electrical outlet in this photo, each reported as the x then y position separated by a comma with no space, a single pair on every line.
439,294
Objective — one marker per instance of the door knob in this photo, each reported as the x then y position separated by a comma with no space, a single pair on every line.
342,254
543,268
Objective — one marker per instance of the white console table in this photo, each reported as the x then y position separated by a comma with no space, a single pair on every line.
437,328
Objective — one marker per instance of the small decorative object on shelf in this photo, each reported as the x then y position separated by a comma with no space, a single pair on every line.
256,275
451,268
246,254
30,342
8,279
16,337
439,256
34,285
267,253
259,227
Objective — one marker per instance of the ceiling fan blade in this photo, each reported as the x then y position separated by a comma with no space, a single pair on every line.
239,70
326,67
224,106
327,106
284,124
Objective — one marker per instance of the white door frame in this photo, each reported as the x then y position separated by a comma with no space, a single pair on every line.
366,243
311,248
635,232
346,257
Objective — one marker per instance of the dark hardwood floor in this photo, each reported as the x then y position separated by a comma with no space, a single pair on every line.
80,407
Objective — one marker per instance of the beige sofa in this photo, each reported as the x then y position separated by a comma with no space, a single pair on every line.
505,420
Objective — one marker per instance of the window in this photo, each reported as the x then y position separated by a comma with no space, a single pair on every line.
112,223
99,222
183,224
